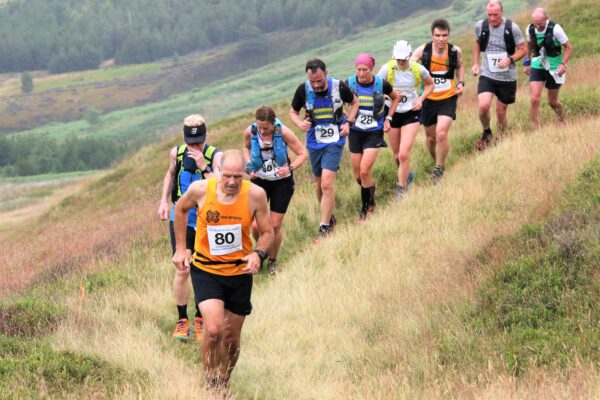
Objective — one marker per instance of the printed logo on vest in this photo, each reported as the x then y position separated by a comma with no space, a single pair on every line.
212,216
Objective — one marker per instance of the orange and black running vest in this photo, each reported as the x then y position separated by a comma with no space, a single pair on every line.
223,233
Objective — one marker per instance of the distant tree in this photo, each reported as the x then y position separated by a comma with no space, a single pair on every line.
92,116
26,82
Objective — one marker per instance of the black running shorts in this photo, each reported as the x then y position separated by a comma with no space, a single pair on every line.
234,291
541,75
506,92
279,192
433,108
190,237
360,140
406,118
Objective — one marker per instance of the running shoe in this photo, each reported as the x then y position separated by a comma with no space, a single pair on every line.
273,267
437,174
484,141
182,329
198,325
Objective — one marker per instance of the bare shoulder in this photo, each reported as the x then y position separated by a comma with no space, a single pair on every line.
417,53
198,188
257,193
457,48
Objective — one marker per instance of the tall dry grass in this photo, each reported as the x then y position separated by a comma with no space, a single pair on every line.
355,317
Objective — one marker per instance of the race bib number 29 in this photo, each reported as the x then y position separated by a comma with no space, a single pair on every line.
329,133
224,239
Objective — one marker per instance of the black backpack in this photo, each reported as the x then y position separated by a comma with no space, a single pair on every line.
509,39
552,50
452,59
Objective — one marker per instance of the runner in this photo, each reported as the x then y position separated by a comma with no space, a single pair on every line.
266,144
501,42
322,98
190,162
366,135
548,66
223,261
443,60
406,77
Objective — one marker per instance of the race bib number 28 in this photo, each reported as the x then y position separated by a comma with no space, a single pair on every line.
364,122
224,239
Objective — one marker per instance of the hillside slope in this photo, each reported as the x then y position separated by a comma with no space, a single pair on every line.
379,320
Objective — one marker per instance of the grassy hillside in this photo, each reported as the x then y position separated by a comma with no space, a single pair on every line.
436,302
267,84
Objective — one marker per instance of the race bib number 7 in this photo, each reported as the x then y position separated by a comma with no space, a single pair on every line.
224,239
329,133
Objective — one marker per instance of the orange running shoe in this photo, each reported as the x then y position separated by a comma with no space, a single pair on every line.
198,325
182,329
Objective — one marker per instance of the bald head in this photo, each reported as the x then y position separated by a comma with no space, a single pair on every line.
539,18
495,4
232,159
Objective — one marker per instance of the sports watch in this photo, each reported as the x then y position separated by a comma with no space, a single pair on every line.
262,254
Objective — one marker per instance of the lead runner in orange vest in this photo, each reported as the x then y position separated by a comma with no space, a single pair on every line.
223,261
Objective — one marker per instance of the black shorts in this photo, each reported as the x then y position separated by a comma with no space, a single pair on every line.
360,140
190,237
506,92
279,192
541,75
234,291
433,108
405,118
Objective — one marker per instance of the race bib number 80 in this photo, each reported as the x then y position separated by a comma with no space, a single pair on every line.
224,239
329,133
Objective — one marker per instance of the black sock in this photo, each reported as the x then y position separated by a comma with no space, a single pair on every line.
487,132
182,310
365,195
372,195
198,314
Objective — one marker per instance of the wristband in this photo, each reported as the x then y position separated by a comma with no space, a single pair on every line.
291,168
460,82
526,62
389,118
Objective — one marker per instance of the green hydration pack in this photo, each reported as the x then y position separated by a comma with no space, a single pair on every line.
549,43
185,163
452,59
279,148
392,67
509,39
378,96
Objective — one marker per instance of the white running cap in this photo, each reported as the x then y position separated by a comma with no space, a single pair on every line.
402,50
